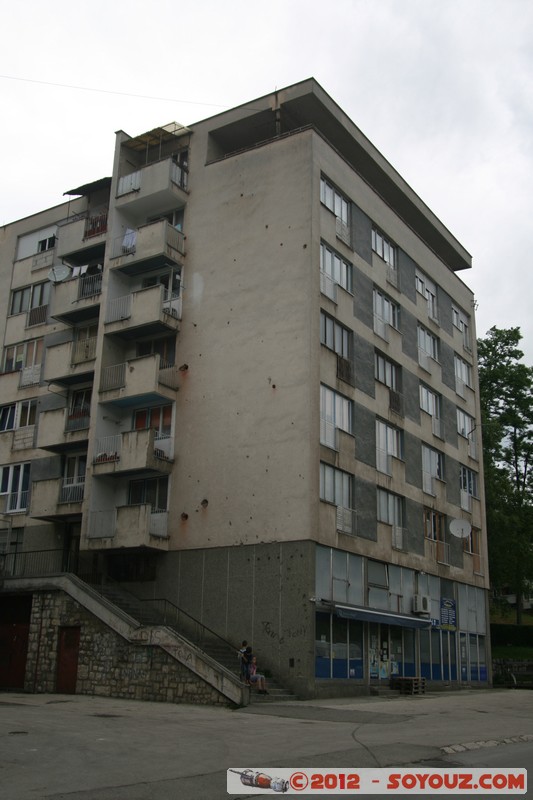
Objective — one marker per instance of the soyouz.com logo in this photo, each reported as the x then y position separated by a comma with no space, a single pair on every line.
259,780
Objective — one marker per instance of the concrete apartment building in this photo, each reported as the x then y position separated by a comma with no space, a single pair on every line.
239,379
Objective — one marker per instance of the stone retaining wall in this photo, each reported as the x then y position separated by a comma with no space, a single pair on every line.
108,665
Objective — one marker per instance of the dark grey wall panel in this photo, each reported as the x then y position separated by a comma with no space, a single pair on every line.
363,307
365,435
366,506
362,233
406,270
446,356
364,365
413,460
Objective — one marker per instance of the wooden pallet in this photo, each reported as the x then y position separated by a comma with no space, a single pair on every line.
409,685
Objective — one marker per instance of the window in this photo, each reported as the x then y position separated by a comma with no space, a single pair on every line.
152,491
158,418
24,356
463,375
20,300
170,280
336,412
36,242
428,343
468,482
165,347
46,244
462,322
79,410
18,415
432,467
384,248
335,267
390,508
428,290
434,525
15,483
335,336
27,413
465,424
386,313
7,417
387,372
335,201
430,401
335,486
389,445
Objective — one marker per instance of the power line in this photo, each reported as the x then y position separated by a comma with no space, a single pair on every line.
110,91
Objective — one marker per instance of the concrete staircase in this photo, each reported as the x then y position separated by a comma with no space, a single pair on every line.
215,648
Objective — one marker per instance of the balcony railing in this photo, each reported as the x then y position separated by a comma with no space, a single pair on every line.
398,537
329,434
328,286
346,520
383,461
17,502
342,229
95,225
107,448
37,316
30,376
89,285
131,241
78,419
72,490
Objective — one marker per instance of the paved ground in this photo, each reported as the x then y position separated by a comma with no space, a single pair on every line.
64,747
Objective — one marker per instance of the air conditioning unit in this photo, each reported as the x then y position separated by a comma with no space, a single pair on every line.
421,604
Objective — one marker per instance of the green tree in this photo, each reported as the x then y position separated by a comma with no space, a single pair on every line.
506,396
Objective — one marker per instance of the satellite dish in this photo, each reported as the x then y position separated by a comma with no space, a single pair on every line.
59,274
460,528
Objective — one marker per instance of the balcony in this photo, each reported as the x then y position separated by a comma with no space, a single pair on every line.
58,499
82,239
141,380
76,300
63,429
133,451
153,189
131,527
148,247
70,362
147,312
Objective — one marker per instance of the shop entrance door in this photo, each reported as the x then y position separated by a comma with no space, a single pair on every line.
379,653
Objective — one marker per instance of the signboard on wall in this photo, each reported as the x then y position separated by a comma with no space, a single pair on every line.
448,614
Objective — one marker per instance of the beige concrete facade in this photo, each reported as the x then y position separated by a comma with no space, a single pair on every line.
222,276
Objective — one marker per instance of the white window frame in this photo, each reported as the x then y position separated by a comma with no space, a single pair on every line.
468,481
337,268
461,321
335,336
390,508
428,290
384,248
335,200
13,477
428,343
463,370
386,310
336,486
389,445
387,372
336,413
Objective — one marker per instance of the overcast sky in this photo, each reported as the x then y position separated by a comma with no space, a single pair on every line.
443,88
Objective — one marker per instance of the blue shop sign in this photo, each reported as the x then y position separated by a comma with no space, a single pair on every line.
448,614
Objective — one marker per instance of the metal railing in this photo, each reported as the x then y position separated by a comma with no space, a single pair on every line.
72,490
89,285
29,376
119,308
346,520
17,502
159,611
95,225
328,286
78,419
113,377
107,448
37,316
